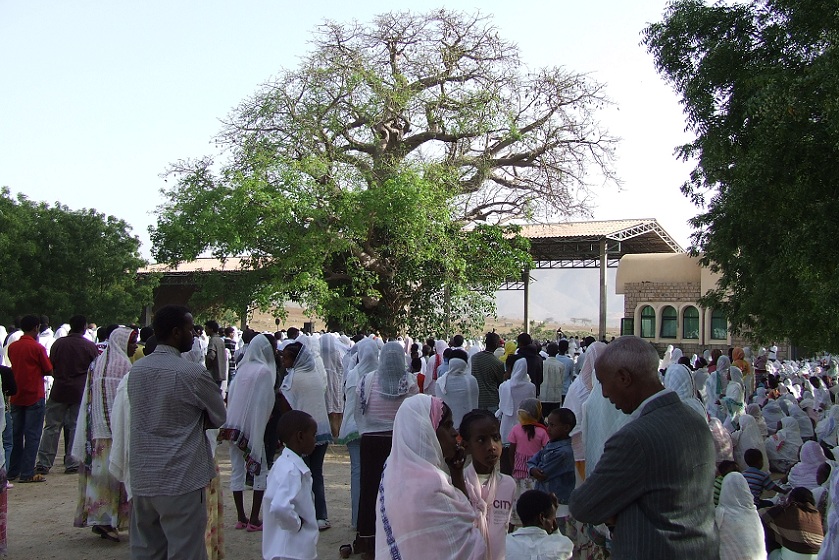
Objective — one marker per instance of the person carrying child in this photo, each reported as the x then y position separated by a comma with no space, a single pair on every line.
553,467
538,539
290,526
526,438
490,492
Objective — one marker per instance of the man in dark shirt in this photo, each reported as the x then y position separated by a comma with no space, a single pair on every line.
527,350
71,357
30,364
489,372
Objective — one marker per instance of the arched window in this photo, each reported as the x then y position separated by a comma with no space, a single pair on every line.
690,322
669,322
719,325
647,322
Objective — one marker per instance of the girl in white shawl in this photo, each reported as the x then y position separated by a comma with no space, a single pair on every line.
578,394
250,400
458,388
422,511
737,521
748,437
103,503
331,353
510,395
679,379
828,429
782,448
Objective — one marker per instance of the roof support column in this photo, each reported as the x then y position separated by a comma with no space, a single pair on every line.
525,278
603,304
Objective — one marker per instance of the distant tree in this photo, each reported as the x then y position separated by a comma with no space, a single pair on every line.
372,178
759,85
60,262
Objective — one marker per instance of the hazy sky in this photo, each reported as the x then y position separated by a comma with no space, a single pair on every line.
98,97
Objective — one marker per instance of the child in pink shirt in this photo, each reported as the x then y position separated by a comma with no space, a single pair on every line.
527,438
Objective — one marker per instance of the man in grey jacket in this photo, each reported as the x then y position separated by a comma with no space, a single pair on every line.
654,483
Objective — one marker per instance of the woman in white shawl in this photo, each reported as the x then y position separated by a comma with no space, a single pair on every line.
772,413
804,472
250,400
331,353
732,405
578,394
668,358
103,503
423,511
679,379
828,429
600,421
738,522
782,448
304,388
722,440
367,360
805,424
510,395
748,437
753,410
830,545
458,387
716,386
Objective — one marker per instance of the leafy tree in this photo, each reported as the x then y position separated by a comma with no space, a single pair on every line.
373,178
60,262
760,89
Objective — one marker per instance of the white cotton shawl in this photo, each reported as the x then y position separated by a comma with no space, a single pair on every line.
121,436
722,440
830,546
600,421
782,448
828,428
365,355
100,391
458,389
250,401
510,395
331,353
738,522
805,425
679,379
773,414
748,437
304,389
804,472
578,394
700,380
419,513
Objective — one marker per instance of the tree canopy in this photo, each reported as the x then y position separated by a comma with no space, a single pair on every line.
373,180
61,262
760,90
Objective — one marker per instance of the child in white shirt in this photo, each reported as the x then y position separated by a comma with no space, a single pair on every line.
290,527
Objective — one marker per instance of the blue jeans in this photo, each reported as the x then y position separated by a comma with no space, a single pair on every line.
28,421
354,448
8,438
315,464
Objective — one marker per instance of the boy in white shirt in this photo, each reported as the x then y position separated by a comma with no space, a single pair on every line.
539,538
290,527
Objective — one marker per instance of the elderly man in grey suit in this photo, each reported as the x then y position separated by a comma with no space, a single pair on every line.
655,480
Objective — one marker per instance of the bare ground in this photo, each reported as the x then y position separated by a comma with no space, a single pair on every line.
40,519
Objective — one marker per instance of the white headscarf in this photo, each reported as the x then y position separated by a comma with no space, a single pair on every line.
415,479
830,546
679,379
748,437
510,395
601,419
737,521
753,410
578,394
773,414
804,473
722,440
458,389
828,428
782,448
805,425
250,401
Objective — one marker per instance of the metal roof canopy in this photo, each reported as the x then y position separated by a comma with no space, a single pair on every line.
595,244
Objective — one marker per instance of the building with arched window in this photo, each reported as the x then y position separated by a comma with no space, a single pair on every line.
660,303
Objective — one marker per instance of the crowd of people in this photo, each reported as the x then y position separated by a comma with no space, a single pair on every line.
482,449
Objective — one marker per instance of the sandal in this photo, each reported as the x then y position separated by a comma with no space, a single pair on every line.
254,528
33,478
111,534
242,524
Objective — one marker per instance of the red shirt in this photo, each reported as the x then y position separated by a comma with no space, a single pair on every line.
29,364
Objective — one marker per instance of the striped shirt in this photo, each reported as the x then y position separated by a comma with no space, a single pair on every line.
758,482
172,402
488,371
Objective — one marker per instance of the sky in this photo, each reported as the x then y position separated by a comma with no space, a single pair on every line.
99,97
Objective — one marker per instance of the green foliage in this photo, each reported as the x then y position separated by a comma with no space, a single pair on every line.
60,262
368,183
760,89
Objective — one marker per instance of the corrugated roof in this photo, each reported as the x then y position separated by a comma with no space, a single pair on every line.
602,228
198,265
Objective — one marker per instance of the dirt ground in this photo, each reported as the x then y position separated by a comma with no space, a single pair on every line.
40,519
